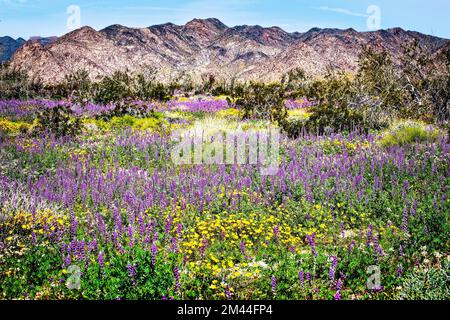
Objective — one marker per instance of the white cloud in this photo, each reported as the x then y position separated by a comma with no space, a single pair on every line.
13,1
342,11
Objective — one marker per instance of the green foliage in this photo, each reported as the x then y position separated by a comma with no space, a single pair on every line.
76,85
113,88
408,132
13,127
58,120
380,92
296,82
127,121
15,84
426,283
261,101
426,83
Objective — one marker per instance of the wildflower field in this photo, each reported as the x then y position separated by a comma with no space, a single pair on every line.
106,214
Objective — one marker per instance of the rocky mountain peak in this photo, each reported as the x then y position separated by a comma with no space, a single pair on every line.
205,30
85,33
8,46
210,23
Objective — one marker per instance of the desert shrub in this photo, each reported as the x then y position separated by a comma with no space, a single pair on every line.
58,120
146,88
296,82
369,99
153,124
123,122
13,127
407,132
128,121
133,108
334,117
97,124
426,83
301,114
117,87
294,127
379,92
76,85
230,113
113,88
15,84
261,101
333,110
426,284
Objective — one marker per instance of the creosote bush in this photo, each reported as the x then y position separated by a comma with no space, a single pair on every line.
59,120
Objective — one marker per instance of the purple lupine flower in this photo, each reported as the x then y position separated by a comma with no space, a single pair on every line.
242,247
176,274
339,285
73,226
228,293
274,285
174,243
311,242
130,236
82,250
350,246
67,261
400,270
101,260
154,253
369,235
276,232
337,295
341,226
412,211
405,220
115,239
301,278
308,276
378,249
332,272
203,247
132,271
168,225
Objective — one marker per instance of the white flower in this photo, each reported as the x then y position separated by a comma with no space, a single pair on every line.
262,264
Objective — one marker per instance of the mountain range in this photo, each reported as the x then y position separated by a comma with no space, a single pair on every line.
203,48
8,46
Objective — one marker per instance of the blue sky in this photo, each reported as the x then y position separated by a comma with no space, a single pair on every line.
25,18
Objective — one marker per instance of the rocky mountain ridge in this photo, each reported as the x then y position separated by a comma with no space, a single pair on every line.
207,47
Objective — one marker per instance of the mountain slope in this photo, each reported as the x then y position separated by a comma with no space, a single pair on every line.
204,47
8,46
